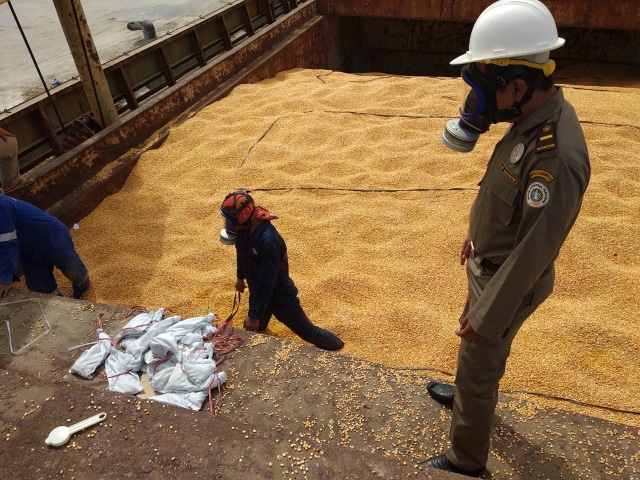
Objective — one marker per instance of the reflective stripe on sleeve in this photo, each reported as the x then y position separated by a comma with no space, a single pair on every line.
6,237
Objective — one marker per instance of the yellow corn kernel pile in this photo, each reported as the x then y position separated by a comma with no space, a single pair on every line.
373,208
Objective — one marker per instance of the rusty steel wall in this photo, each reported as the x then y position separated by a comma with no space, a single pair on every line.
425,47
590,14
420,37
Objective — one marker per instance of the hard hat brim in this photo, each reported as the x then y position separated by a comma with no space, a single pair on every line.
462,59
468,57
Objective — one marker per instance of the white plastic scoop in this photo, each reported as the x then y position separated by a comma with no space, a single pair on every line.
61,435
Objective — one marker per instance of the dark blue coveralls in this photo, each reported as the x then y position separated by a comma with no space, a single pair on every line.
36,242
262,260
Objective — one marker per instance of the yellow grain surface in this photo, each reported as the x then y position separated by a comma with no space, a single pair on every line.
380,268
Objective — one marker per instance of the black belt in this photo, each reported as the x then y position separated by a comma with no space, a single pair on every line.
489,266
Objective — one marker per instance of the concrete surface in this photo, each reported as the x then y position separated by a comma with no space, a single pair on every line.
19,78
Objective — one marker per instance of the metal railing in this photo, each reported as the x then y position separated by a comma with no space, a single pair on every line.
41,124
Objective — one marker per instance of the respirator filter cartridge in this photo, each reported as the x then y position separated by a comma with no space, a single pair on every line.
460,136
228,237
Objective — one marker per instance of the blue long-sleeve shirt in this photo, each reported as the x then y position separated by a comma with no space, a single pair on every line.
23,229
262,260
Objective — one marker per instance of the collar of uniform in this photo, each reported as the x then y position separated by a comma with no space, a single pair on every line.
541,114
259,227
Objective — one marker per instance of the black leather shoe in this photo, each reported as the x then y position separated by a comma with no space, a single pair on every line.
442,393
442,463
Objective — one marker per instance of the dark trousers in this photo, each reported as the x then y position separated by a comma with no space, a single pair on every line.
293,316
60,254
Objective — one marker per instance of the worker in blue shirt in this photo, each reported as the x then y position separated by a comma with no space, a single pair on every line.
262,261
35,242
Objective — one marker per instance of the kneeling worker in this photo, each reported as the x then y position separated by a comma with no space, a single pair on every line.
261,256
37,242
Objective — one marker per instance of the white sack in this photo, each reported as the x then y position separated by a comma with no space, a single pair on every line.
140,345
191,325
92,358
139,324
159,379
191,338
198,350
119,375
193,376
161,348
192,400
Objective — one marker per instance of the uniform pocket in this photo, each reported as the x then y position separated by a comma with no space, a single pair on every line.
503,201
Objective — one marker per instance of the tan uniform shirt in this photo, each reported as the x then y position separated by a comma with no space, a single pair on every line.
528,201
9,166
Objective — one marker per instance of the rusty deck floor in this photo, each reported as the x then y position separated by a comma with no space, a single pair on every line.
286,411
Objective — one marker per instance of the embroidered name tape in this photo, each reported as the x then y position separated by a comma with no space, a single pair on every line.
505,171
541,174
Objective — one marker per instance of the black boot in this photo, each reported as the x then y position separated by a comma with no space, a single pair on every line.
78,290
327,340
442,463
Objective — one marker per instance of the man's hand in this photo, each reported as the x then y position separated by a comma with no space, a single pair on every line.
251,324
240,285
466,331
465,251
4,289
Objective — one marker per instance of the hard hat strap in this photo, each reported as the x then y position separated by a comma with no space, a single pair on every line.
547,67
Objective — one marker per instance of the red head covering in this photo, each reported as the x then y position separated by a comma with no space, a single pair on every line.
262,213
239,207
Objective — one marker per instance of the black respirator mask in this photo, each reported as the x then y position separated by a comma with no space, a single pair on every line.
479,109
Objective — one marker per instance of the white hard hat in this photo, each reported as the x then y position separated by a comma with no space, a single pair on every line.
512,29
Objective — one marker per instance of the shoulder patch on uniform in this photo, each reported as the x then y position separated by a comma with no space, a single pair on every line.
505,171
537,195
542,174
546,137
516,153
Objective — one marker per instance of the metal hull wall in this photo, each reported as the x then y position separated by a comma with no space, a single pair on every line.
589,14
405,38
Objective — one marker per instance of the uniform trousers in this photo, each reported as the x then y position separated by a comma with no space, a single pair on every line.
481,366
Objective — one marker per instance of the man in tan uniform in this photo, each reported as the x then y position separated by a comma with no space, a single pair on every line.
10,177
528,201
